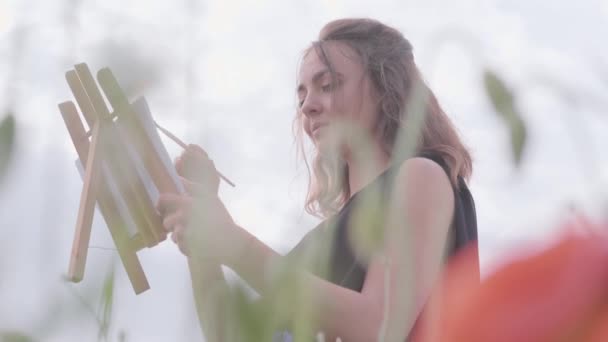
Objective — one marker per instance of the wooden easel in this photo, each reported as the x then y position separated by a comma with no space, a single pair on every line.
121,154
106,159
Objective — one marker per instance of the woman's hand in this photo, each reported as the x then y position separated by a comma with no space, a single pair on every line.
198,172
200,225
198,220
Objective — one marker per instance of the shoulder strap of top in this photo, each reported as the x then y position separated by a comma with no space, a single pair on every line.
436,158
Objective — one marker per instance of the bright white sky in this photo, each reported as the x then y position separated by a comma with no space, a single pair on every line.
240,57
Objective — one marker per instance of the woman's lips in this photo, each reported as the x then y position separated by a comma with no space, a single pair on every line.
317,130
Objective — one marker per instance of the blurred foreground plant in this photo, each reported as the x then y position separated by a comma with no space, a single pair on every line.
557,294
7,140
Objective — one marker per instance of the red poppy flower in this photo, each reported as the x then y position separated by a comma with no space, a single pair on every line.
557,294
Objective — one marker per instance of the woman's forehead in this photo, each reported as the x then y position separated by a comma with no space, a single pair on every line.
342,58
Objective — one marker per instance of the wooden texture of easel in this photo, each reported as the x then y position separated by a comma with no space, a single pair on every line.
125,165
107,159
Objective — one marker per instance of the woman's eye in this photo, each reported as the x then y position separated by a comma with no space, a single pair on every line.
326,87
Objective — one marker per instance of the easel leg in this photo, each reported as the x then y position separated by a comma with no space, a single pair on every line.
88,199
115,222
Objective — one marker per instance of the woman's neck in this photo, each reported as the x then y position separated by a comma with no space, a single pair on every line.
363,168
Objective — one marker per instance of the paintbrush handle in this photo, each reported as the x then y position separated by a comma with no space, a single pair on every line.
184,146
171,136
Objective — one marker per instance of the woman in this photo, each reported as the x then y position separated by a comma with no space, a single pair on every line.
388,168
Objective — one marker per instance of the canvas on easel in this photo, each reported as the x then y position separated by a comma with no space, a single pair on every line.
124,167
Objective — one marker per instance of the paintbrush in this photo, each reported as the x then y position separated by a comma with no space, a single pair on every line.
184,146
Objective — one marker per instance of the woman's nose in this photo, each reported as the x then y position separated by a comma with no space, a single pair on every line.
311,106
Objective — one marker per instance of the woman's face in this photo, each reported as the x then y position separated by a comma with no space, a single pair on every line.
335,113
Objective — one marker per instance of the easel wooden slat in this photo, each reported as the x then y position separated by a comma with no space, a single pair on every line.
137,242
88,198
108,209
154,225
88,82
123,170
127,118
121,166
88,112
153,163
153,230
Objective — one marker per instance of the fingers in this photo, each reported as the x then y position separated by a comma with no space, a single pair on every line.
175,211
197,150
193,188
168,202
194,163
179,165
173,220
193,157
178,238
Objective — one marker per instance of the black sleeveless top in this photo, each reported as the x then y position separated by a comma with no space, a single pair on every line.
342,265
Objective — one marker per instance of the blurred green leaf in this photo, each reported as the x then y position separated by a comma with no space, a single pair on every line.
14,336
287,310
369,220
518,139
251,317
292,300
107,298
504,103
7,140
80,305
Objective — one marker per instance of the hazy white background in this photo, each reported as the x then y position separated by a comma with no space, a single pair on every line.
222,74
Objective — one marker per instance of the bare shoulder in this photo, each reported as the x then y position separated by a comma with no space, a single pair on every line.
424,171
425,190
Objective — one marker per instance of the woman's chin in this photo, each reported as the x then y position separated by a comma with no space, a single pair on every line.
327,148
325,143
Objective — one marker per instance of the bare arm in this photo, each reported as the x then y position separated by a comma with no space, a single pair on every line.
423,203
208,285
